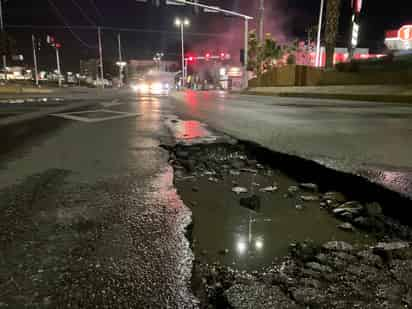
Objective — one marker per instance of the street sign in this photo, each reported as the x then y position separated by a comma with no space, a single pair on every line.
355,35
357,6
405,33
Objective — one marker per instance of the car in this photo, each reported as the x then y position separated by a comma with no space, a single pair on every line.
151,86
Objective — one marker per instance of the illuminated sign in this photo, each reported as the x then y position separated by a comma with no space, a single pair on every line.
357,6
405,33
355,35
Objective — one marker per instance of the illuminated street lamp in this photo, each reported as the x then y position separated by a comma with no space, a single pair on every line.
182,23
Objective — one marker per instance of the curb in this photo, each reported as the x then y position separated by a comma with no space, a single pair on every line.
339,96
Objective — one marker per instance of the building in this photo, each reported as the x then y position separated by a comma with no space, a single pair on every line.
399,39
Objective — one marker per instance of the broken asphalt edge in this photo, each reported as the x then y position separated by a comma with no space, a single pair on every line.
403,195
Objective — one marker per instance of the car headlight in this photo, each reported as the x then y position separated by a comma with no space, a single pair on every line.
143,87
156,86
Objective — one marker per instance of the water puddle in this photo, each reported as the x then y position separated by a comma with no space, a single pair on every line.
191,132
249,238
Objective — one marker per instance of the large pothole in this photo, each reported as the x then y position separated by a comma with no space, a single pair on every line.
258,214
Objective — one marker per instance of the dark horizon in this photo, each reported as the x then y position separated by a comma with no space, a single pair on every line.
285,20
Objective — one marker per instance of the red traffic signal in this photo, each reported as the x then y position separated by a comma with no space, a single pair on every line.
190,59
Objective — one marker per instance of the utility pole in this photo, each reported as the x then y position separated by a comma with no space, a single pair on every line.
36,72
58,66
120,61
261,20
183,55
99,36
245,77
318,50
181,24
2,31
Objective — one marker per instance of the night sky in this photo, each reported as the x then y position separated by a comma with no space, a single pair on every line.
286,20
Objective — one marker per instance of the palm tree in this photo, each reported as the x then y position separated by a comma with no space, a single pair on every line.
332,24
263,54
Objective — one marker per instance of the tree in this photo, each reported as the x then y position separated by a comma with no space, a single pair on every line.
271,51
253,52
332,24
263,55
291,59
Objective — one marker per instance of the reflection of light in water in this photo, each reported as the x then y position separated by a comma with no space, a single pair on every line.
259,244
241,247
191,129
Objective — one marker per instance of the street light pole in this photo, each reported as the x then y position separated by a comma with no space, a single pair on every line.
182,23
246,78
261,20
120,61
318,50
58,66
36,73
183,55
2,31
99,37
232,13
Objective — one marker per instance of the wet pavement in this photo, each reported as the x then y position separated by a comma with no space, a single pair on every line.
90,217
372,139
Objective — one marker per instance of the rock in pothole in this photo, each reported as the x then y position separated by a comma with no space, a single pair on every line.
252,202
335,197
346,226
309,187
337,246
259,296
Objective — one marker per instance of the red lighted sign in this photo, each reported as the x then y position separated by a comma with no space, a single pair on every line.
405,33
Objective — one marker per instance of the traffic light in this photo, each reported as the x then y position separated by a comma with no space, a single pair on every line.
50,39
190,59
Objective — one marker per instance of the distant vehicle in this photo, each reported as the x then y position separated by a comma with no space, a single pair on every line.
151,85
98,83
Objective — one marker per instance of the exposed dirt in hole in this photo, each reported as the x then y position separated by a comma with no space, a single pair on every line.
265,236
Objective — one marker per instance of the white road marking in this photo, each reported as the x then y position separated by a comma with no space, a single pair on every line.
115,115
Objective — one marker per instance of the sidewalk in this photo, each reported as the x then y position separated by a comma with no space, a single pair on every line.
377,93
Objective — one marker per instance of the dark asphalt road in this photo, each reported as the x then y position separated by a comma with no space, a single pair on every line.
372,139
89,215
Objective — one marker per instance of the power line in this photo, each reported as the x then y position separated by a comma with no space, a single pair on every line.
83,13
202,34
99,13
68,27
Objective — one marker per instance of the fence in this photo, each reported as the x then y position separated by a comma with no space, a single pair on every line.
293,75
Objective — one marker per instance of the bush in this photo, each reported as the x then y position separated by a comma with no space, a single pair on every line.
291,59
